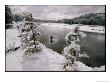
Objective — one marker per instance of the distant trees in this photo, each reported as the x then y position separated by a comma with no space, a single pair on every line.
17,17
88,19
8,16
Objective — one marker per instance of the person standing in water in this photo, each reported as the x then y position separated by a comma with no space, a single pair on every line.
51,39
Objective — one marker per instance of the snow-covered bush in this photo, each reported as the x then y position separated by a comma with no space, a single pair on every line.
30,36
72,49
72,52
74,36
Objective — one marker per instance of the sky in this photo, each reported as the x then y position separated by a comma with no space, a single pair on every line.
56,12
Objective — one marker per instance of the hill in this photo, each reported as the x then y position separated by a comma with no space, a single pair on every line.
87,19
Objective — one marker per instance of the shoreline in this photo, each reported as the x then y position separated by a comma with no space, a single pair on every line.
84,28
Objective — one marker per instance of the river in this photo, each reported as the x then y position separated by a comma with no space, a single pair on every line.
93,44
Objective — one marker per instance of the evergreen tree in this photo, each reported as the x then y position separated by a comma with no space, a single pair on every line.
17,17
8,15
72,52
30,37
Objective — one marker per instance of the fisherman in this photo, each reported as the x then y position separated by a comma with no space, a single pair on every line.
51,39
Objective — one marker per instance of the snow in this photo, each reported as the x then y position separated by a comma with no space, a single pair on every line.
101,68
46,60
83,55
75,46
12,41
72,38
13,61
79,66
72,33
87,28
82,34
69,34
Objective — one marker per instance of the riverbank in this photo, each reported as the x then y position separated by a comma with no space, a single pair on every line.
86,28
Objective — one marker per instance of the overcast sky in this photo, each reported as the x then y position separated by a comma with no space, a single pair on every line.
57,12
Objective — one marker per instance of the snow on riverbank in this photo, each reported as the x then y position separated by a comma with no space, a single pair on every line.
46,60
79,66
87,28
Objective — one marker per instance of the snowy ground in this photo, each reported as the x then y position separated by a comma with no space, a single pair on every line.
45,60
87,28
12,41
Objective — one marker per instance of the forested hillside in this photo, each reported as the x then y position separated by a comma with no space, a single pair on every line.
88,19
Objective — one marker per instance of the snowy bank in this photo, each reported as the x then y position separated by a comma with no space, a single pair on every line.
87,28
79,66
46,60
13,61
12,41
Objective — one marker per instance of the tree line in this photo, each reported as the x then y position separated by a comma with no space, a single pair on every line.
88,19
